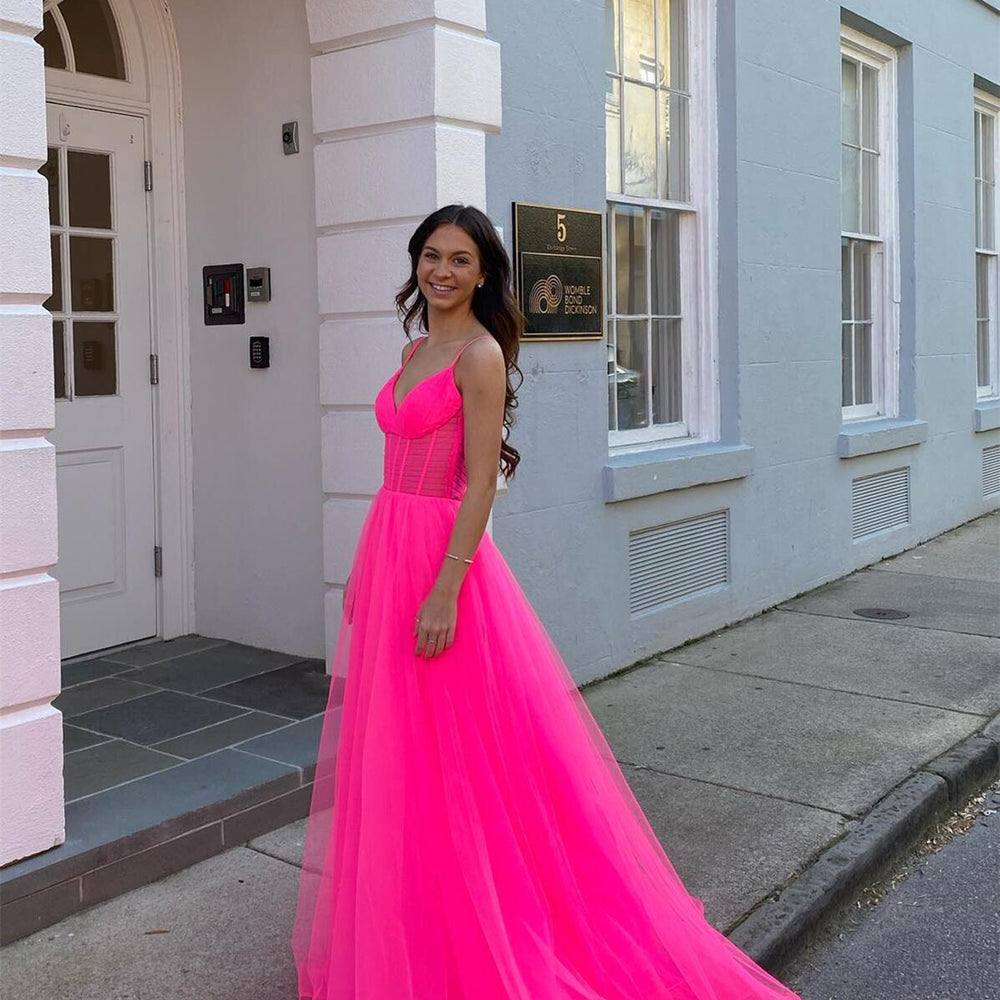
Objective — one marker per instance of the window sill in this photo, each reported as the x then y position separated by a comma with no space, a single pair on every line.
987,415
660,470
868,437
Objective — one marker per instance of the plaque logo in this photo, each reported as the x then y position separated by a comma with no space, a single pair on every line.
546,295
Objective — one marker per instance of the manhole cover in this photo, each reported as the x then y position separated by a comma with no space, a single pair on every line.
885,614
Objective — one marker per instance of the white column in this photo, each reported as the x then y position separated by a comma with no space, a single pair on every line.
31,785
403,94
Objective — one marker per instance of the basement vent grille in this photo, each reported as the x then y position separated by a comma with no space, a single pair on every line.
671,561
880,502
991,471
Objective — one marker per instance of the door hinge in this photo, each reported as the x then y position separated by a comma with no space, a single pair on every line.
157,561
154,369
147,172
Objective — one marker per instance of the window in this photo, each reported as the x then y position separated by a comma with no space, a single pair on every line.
987,151
81,36
660,168
868,245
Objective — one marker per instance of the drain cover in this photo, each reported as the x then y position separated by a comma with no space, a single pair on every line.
884,614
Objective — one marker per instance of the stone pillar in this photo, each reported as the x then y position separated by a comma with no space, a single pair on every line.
403,94
31,785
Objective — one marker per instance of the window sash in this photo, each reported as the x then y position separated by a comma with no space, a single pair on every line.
986,327
869,260
648,102
655,314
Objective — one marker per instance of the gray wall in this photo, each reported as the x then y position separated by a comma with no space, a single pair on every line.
255,434
778,77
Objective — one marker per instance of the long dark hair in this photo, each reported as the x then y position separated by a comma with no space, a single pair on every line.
493,305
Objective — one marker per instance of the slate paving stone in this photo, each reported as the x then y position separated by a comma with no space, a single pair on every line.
222,734
297,744
90,670
97,694
157,717
109,764
75,738
210,668
207,787
157,652
298,691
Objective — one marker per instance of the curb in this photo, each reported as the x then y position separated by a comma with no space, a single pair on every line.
780,927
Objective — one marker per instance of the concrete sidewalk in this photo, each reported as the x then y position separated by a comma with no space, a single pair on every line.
781,761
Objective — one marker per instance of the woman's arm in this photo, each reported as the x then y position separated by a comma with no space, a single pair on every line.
483,384
481,376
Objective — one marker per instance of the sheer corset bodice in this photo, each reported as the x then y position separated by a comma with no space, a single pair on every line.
424,437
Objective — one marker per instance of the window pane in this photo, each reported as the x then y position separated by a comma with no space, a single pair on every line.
50,171
850,193
672,34
633,364
869,108
665,271
983,354
982,286
91,274
862,281
869,193
674,145
846,296
612,377
989,216
613,138
89,176
55,54
983,262
667,373
54,303
847,364
94,365
640,140
59,358
980,217
639,39
92,30
862,363
612,42
989,167
849,102
630,254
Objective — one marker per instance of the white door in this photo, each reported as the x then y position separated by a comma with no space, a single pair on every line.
104,405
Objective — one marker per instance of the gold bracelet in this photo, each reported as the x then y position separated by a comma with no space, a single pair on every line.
450,556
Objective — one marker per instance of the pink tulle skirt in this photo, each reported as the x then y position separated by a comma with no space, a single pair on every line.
471,836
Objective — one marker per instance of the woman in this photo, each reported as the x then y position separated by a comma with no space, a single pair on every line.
471,835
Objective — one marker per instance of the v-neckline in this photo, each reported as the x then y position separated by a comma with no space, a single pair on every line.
426,378
416,385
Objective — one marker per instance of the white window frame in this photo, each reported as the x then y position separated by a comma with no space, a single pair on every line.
697,237
885,284
988,104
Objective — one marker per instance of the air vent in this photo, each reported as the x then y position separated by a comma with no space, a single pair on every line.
880,502
991,471
671,561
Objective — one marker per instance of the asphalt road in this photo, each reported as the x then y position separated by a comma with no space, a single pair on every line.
928,931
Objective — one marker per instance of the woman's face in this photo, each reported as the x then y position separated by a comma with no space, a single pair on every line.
449,268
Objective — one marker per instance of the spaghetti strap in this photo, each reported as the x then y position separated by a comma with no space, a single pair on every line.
465,345
413,351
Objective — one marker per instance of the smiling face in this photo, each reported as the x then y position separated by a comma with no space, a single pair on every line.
449,269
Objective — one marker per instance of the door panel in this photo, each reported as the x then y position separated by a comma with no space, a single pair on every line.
101,346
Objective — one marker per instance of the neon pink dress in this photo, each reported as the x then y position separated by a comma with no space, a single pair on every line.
471,836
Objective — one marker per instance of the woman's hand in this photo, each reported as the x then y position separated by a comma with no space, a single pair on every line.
435,631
